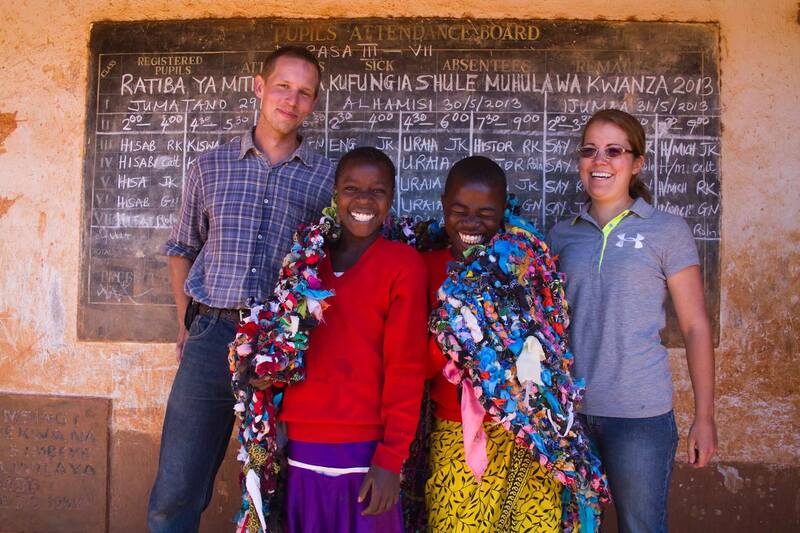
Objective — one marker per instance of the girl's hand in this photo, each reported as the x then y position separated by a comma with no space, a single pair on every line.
701,442
383,488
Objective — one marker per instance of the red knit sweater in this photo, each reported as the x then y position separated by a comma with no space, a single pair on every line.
365,364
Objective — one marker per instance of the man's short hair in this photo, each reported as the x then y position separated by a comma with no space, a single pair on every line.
296,52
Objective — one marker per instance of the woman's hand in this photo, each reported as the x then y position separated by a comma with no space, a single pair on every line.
701,442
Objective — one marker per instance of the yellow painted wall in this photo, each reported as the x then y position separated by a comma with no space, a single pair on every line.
43,78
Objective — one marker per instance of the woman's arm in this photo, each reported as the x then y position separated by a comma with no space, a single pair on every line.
686,290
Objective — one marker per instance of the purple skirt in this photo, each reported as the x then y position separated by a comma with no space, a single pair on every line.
327,501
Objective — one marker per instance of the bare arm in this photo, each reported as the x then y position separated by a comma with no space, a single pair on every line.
178,272
686,289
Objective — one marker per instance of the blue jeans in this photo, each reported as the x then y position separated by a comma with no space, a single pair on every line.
638,454
197,428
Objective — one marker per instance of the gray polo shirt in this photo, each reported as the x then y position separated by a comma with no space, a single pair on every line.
616,286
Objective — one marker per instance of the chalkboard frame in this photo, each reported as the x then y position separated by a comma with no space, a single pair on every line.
156,323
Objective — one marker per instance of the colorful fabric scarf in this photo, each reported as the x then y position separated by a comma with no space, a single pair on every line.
271,342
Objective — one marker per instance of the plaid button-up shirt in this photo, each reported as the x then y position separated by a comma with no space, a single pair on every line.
238,215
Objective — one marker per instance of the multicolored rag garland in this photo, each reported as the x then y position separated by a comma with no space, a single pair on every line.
272,341
501,320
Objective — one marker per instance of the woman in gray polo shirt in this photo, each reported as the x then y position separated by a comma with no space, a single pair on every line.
621,257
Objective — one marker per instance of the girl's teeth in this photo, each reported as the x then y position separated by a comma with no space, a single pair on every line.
601,174
470,239
362,217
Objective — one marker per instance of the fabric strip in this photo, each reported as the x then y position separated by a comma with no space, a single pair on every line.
327,470
472,414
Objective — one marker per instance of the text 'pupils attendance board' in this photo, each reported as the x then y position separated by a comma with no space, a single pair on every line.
428,92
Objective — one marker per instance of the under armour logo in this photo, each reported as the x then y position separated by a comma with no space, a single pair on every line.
637,240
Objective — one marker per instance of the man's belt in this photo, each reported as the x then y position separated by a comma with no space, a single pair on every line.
234,315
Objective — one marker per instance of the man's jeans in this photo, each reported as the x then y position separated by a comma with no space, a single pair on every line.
197,427
638,454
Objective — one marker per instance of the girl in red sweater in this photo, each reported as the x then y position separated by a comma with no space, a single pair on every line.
350,422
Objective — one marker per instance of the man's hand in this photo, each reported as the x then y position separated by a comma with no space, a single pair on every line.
383,488
180,342
701,442
261,383
256,383
178,272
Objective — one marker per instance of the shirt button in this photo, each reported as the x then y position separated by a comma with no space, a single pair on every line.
253,270
260,236
266,200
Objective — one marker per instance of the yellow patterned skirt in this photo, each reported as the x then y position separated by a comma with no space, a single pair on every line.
520,498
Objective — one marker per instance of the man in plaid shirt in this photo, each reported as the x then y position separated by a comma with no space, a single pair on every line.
241,205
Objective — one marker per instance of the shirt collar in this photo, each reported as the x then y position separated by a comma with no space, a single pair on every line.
640,207
583,213
303,151
246,144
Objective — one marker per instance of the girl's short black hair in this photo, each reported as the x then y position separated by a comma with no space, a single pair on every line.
366,155
476,169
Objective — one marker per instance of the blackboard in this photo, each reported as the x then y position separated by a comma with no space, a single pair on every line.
426,91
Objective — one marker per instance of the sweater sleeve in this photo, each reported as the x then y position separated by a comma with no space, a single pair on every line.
436,263
404,362
436,359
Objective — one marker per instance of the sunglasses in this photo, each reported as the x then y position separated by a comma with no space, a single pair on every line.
610,152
